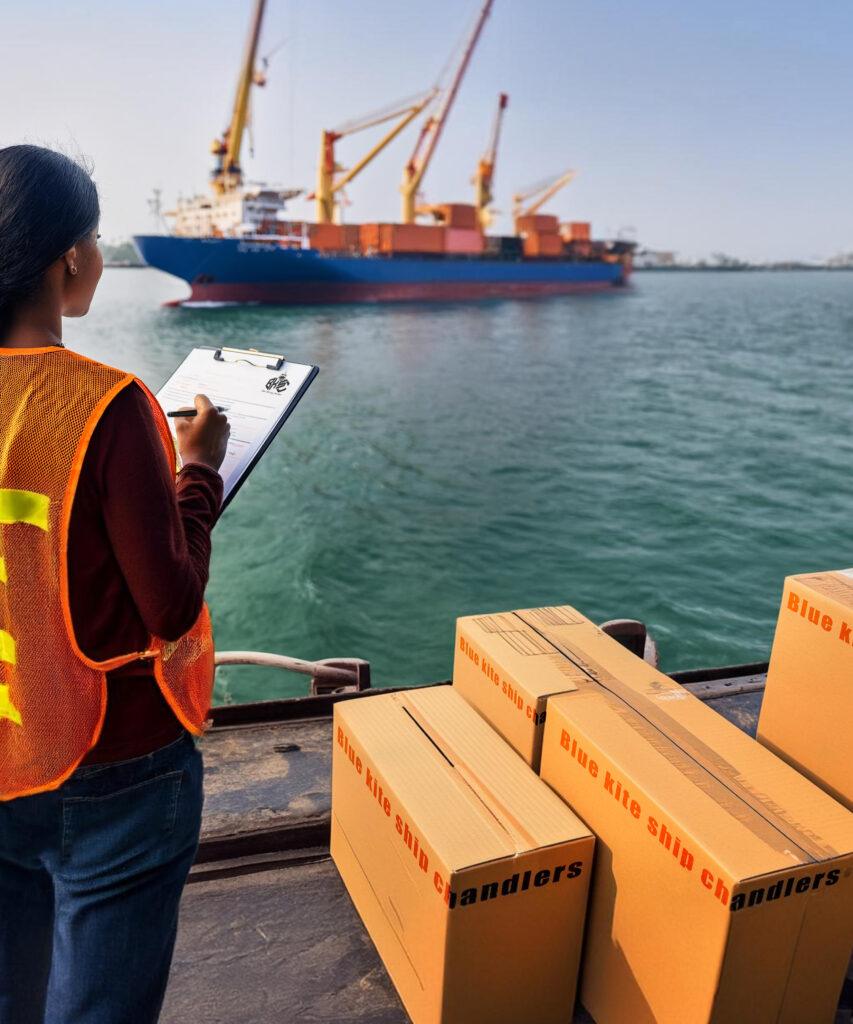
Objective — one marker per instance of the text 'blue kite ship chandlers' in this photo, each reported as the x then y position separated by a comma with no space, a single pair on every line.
238,244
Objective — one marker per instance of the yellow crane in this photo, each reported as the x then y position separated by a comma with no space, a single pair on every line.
486,169
227,175
328,186
549,188
431,130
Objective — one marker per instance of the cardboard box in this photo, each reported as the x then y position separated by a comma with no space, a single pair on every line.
723,885
505,670
470,875
807,710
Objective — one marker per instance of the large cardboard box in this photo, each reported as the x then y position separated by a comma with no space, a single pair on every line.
470,875
723,885
807,709
506,670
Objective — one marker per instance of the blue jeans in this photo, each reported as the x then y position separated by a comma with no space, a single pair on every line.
90,882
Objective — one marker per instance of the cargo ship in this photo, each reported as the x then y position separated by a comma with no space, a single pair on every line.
238,244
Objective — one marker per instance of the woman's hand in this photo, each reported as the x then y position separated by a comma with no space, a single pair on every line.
203,437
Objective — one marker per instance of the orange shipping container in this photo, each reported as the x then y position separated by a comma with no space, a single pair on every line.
326,236
368,236
538,222
411,238
458,215
463,240
542,243
576,231
352,233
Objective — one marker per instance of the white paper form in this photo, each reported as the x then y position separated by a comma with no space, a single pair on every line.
257,399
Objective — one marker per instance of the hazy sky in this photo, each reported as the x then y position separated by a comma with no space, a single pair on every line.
711,125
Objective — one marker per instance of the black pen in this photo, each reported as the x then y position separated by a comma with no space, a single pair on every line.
194,412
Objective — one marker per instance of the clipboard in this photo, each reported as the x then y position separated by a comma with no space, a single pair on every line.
259,391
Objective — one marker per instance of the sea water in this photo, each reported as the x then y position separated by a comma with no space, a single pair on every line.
667,452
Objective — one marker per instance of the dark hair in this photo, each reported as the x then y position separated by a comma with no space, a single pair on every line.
48,203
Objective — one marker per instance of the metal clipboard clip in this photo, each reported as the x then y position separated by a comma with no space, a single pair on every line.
277,365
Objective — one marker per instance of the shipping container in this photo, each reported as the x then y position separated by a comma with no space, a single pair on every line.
290,228
537,222
326,236
402,238
508,246
543,243
352,233
576,231
463,240
368,237
457,215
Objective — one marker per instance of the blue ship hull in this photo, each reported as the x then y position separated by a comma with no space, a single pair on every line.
232,270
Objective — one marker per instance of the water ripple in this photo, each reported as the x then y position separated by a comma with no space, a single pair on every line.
670,453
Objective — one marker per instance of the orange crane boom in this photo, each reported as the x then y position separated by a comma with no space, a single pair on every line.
228,174
431,131
484,178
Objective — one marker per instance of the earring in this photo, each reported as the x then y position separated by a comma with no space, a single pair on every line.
73,270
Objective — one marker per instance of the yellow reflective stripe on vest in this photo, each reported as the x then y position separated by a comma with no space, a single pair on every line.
17,507
7,708
7,647
24,507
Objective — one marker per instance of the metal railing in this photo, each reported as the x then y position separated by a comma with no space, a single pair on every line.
330,675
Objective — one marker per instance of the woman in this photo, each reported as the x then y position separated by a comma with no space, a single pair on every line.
106,657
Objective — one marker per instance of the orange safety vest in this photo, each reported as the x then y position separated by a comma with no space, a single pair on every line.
52,697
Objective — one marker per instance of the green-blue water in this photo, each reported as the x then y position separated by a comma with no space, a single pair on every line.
668,452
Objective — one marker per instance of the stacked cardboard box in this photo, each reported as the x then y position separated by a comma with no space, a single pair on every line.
470,875
807,711
723,886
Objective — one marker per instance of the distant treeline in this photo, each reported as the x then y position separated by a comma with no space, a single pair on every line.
123,252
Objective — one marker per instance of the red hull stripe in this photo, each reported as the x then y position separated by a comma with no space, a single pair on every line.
308,293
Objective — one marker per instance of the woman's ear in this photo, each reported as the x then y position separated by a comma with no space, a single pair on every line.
70,258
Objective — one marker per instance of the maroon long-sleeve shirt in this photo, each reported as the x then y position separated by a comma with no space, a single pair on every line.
138,561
